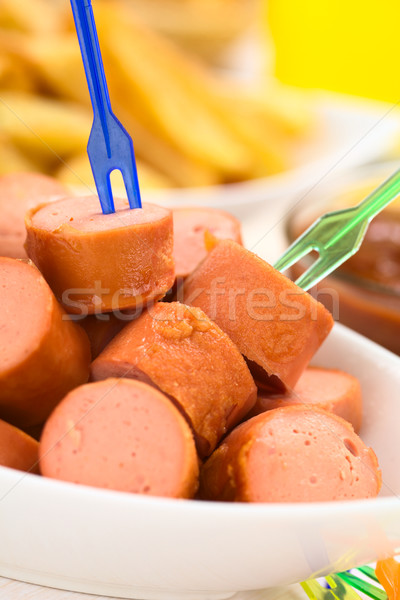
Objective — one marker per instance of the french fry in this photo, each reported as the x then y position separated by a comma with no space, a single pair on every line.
15,77
15,72
155,150
203,27
34,16
209,19
268,130
287,109
57,64
47,129
268,148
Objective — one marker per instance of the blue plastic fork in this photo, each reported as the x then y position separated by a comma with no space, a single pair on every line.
110,146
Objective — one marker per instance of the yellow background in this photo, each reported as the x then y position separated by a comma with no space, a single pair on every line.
351,46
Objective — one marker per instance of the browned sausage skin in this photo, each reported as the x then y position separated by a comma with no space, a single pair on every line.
182,352
277,326
17,449
43,354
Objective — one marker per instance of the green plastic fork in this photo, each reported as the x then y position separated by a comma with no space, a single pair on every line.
344,586
337,235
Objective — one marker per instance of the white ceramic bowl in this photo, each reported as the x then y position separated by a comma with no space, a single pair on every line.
101,542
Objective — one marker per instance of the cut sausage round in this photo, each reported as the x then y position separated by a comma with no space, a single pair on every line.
276,326
99,263
331,389
17,449
20,192
182,352
102,328
192,226
122,435
292,454
43,354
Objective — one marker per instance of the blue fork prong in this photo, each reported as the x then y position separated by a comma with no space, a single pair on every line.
130,178
103,185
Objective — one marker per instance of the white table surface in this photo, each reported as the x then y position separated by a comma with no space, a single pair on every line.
17,590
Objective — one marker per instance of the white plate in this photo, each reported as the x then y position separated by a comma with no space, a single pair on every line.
101,542
350,131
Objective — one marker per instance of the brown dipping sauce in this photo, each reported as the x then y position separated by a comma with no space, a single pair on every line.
378,259
368,284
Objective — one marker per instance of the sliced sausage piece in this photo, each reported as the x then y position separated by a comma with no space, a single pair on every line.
276,325
99,263
182,352
330,389
102,328
20,192
17,449
192,227
292,454
43,354
122,435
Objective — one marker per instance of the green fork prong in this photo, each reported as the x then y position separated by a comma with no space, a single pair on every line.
315,273
298,250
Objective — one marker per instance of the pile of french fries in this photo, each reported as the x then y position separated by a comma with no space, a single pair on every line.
190,126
